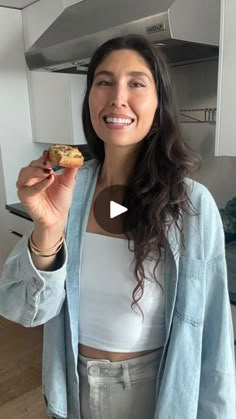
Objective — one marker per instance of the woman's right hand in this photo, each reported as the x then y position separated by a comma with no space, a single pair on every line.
46,196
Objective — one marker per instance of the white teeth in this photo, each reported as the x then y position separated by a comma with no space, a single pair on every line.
118,120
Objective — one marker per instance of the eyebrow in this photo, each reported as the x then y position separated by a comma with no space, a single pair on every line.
130,73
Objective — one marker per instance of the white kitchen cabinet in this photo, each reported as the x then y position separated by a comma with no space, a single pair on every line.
56,107
226,115
18,225
15,227
12,239
55,98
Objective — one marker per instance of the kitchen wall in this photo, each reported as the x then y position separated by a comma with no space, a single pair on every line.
196,87
17,147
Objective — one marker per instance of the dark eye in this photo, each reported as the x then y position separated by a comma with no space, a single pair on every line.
137,84
103,83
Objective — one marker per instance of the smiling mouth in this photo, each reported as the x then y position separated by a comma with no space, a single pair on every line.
118,121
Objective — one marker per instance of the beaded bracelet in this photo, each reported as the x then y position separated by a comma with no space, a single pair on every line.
51,251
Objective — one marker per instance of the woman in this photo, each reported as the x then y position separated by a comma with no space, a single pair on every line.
154,341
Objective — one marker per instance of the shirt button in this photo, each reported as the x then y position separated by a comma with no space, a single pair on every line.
94,371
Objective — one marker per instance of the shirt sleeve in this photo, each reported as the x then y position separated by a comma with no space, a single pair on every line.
29,296
217,383
217,394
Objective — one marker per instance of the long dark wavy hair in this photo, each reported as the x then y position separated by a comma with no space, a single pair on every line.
159,195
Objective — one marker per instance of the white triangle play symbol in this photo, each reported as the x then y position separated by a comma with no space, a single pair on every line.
116,209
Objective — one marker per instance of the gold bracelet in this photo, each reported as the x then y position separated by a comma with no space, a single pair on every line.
51,251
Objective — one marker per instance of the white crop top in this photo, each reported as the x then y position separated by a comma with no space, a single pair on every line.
107,321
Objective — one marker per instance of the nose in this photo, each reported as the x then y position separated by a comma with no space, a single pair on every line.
119,96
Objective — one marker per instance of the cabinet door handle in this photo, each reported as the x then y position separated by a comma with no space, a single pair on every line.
16,233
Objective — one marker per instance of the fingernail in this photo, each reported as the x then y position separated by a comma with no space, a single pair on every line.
47,170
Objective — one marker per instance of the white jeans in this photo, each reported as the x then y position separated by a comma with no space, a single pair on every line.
119,390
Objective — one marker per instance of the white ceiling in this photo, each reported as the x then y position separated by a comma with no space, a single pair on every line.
17,4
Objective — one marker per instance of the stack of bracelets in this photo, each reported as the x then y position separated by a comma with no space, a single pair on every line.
51,251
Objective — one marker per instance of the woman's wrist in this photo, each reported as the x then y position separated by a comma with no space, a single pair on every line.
45,252
47,239
44,241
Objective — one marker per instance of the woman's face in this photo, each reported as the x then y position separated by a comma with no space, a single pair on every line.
123,98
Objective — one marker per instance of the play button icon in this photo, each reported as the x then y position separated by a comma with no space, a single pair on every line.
116,209
109,209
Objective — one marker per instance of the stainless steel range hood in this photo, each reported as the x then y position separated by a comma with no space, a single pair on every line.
187,29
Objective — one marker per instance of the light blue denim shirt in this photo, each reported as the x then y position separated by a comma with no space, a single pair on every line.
196,378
